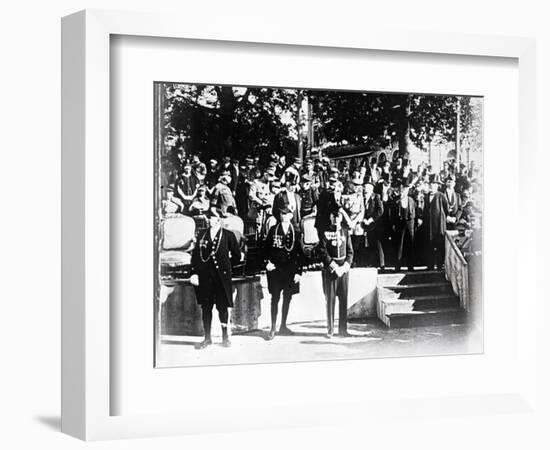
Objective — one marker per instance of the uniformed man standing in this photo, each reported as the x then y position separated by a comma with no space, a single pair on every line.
284,260
337,255
217,250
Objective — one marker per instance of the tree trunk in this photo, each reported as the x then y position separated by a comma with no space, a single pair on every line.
227,111
404,127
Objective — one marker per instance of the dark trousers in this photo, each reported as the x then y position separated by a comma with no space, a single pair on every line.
375,249
275,297
358,243
405,247
436,251
336,287
223,314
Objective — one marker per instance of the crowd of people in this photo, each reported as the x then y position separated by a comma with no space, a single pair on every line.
364,214
394,214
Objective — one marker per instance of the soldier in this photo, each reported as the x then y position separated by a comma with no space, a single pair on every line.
337,255
284,267
211,263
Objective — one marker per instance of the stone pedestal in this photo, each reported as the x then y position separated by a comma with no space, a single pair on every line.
181,315
362,293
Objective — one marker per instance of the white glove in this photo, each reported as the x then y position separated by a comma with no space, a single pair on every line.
297,278
419,222
270,266
194,280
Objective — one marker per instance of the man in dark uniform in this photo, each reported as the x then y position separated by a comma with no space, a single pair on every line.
337,255
214,255
284,260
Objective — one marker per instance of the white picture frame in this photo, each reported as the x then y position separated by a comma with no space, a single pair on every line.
86,323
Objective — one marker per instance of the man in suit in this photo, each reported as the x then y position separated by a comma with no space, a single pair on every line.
374,210
434,221
234,172
405,215
284,259
453,201
308,195
216,252
327,198
289,198
337,255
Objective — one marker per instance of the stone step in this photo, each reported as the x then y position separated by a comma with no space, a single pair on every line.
421,289
408,278
426,302
428,317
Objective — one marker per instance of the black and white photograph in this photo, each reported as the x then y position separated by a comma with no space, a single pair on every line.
298,224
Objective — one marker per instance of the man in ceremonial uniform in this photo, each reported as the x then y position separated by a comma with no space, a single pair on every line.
284,260
214,255
337,255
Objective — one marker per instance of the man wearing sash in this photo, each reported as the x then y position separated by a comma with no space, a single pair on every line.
216,252
284,260
337,255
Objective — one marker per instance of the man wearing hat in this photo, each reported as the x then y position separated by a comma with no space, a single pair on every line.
337,255
453,201
309,196
434,221
294,169
221,196
235,172
216,252
281,166
354,211
288,197
404,215
213,173
374,210
284,259
259,199
326,198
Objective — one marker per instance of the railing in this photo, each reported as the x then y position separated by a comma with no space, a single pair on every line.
456,270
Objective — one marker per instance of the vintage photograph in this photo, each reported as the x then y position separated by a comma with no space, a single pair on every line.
296,224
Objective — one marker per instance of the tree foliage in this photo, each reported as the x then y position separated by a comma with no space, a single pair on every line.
223,120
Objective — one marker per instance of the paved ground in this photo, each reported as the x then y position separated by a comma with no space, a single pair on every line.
370,339
307,319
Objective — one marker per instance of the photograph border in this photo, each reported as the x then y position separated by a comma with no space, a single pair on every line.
86,252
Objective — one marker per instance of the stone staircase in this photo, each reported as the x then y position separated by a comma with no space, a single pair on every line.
417,299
